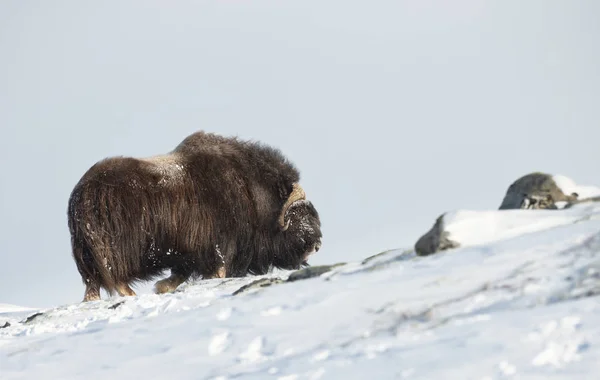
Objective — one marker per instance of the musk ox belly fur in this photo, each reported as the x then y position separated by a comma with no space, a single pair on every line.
213,207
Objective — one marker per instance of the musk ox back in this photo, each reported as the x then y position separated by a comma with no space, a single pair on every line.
212,207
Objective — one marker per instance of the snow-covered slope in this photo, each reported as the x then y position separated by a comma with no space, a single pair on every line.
468,227
7,308
520,302
568,186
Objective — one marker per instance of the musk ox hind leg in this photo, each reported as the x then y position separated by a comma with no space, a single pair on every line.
124,290
88,270
221,272
92,292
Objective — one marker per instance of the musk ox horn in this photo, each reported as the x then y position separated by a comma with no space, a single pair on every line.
296,195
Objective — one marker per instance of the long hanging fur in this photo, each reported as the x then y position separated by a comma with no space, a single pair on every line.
210,204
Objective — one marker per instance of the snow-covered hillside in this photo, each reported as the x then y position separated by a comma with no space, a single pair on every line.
520,300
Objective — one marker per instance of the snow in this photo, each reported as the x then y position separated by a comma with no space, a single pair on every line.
518,300
469,227
6,308
568,186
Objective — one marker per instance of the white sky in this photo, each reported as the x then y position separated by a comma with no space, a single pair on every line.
394,111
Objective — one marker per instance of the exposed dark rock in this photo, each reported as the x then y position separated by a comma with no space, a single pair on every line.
377,256
301,274
309,272
381,260
535,191
32,317
260,283
113,307
5,325
435,240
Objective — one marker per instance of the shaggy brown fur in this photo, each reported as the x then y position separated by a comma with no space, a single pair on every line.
213,207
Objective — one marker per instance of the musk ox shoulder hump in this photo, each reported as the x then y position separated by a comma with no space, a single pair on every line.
170,167
135,172
255,156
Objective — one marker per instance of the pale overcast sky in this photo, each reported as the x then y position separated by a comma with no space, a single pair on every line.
394,111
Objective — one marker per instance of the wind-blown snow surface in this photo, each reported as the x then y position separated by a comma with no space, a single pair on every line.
521,306
568,186
6,308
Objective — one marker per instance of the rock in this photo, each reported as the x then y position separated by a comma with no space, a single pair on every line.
5,325
535,191
300,274
115,306
377,256
435,240
384,259
260,283
310,272
32,317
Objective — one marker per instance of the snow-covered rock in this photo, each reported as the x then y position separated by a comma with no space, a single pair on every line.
464,228
535,192
544,191
568,186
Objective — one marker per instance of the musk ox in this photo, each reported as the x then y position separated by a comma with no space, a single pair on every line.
535,191
212,207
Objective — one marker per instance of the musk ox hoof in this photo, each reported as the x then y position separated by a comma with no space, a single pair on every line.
91,297
164,286
220,273
92,293
168,285
125,291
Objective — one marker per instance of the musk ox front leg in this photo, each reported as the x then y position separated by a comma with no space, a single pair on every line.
208,265
179,275
169,284
220,273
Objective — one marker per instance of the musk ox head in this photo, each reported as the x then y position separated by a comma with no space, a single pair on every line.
303,228
299,228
